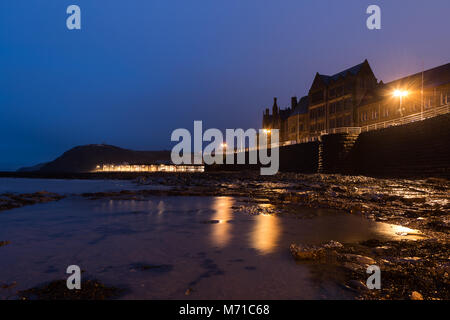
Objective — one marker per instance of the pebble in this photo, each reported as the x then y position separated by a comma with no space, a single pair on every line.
357,284
358,259
416,296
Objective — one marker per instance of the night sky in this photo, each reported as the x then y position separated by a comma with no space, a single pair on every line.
139,69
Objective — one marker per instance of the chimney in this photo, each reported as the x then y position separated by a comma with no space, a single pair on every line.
275,106
293,102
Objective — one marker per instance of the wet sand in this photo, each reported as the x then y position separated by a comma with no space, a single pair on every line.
218,238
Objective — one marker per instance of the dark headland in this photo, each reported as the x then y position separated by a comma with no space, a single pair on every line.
84,159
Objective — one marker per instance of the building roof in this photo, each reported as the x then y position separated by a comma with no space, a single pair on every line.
353,71
285,113
301,107
431,78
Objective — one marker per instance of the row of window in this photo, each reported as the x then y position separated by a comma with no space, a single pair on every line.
294,128
342,105
336,92
335,107
317,113
374,113
379,112
445,98
317,97
341,122
428,102
363,116
317,126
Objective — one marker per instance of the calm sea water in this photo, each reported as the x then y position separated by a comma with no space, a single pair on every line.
196,243
66,186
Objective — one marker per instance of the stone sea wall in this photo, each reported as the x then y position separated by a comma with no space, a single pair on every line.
415,149
419,149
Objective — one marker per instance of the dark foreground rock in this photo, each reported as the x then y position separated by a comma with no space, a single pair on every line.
13,200
409,269
57,290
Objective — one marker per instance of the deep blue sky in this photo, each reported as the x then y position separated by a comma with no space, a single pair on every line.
140,68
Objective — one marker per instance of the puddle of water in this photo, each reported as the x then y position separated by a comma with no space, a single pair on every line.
177,243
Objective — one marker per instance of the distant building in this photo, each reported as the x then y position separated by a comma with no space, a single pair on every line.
353,99
148,168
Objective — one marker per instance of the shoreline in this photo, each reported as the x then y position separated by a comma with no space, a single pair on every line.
418,266
411,269
207,173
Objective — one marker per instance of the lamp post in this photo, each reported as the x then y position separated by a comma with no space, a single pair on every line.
401,94
224,147
267,133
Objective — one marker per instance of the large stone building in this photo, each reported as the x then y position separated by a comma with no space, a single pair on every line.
333,99
415,94
353,99
298,120
278,119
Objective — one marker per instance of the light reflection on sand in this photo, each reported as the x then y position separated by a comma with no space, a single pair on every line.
400,231
221,231
265,233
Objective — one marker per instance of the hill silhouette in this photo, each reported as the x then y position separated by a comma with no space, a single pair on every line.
86,158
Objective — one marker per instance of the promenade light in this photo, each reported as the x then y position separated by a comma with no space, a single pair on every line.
223,145
400,93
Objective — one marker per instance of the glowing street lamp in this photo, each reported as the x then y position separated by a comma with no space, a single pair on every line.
223,146
267,133
400,94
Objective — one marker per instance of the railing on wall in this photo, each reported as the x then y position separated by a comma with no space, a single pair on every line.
381,125
408,119
357,130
